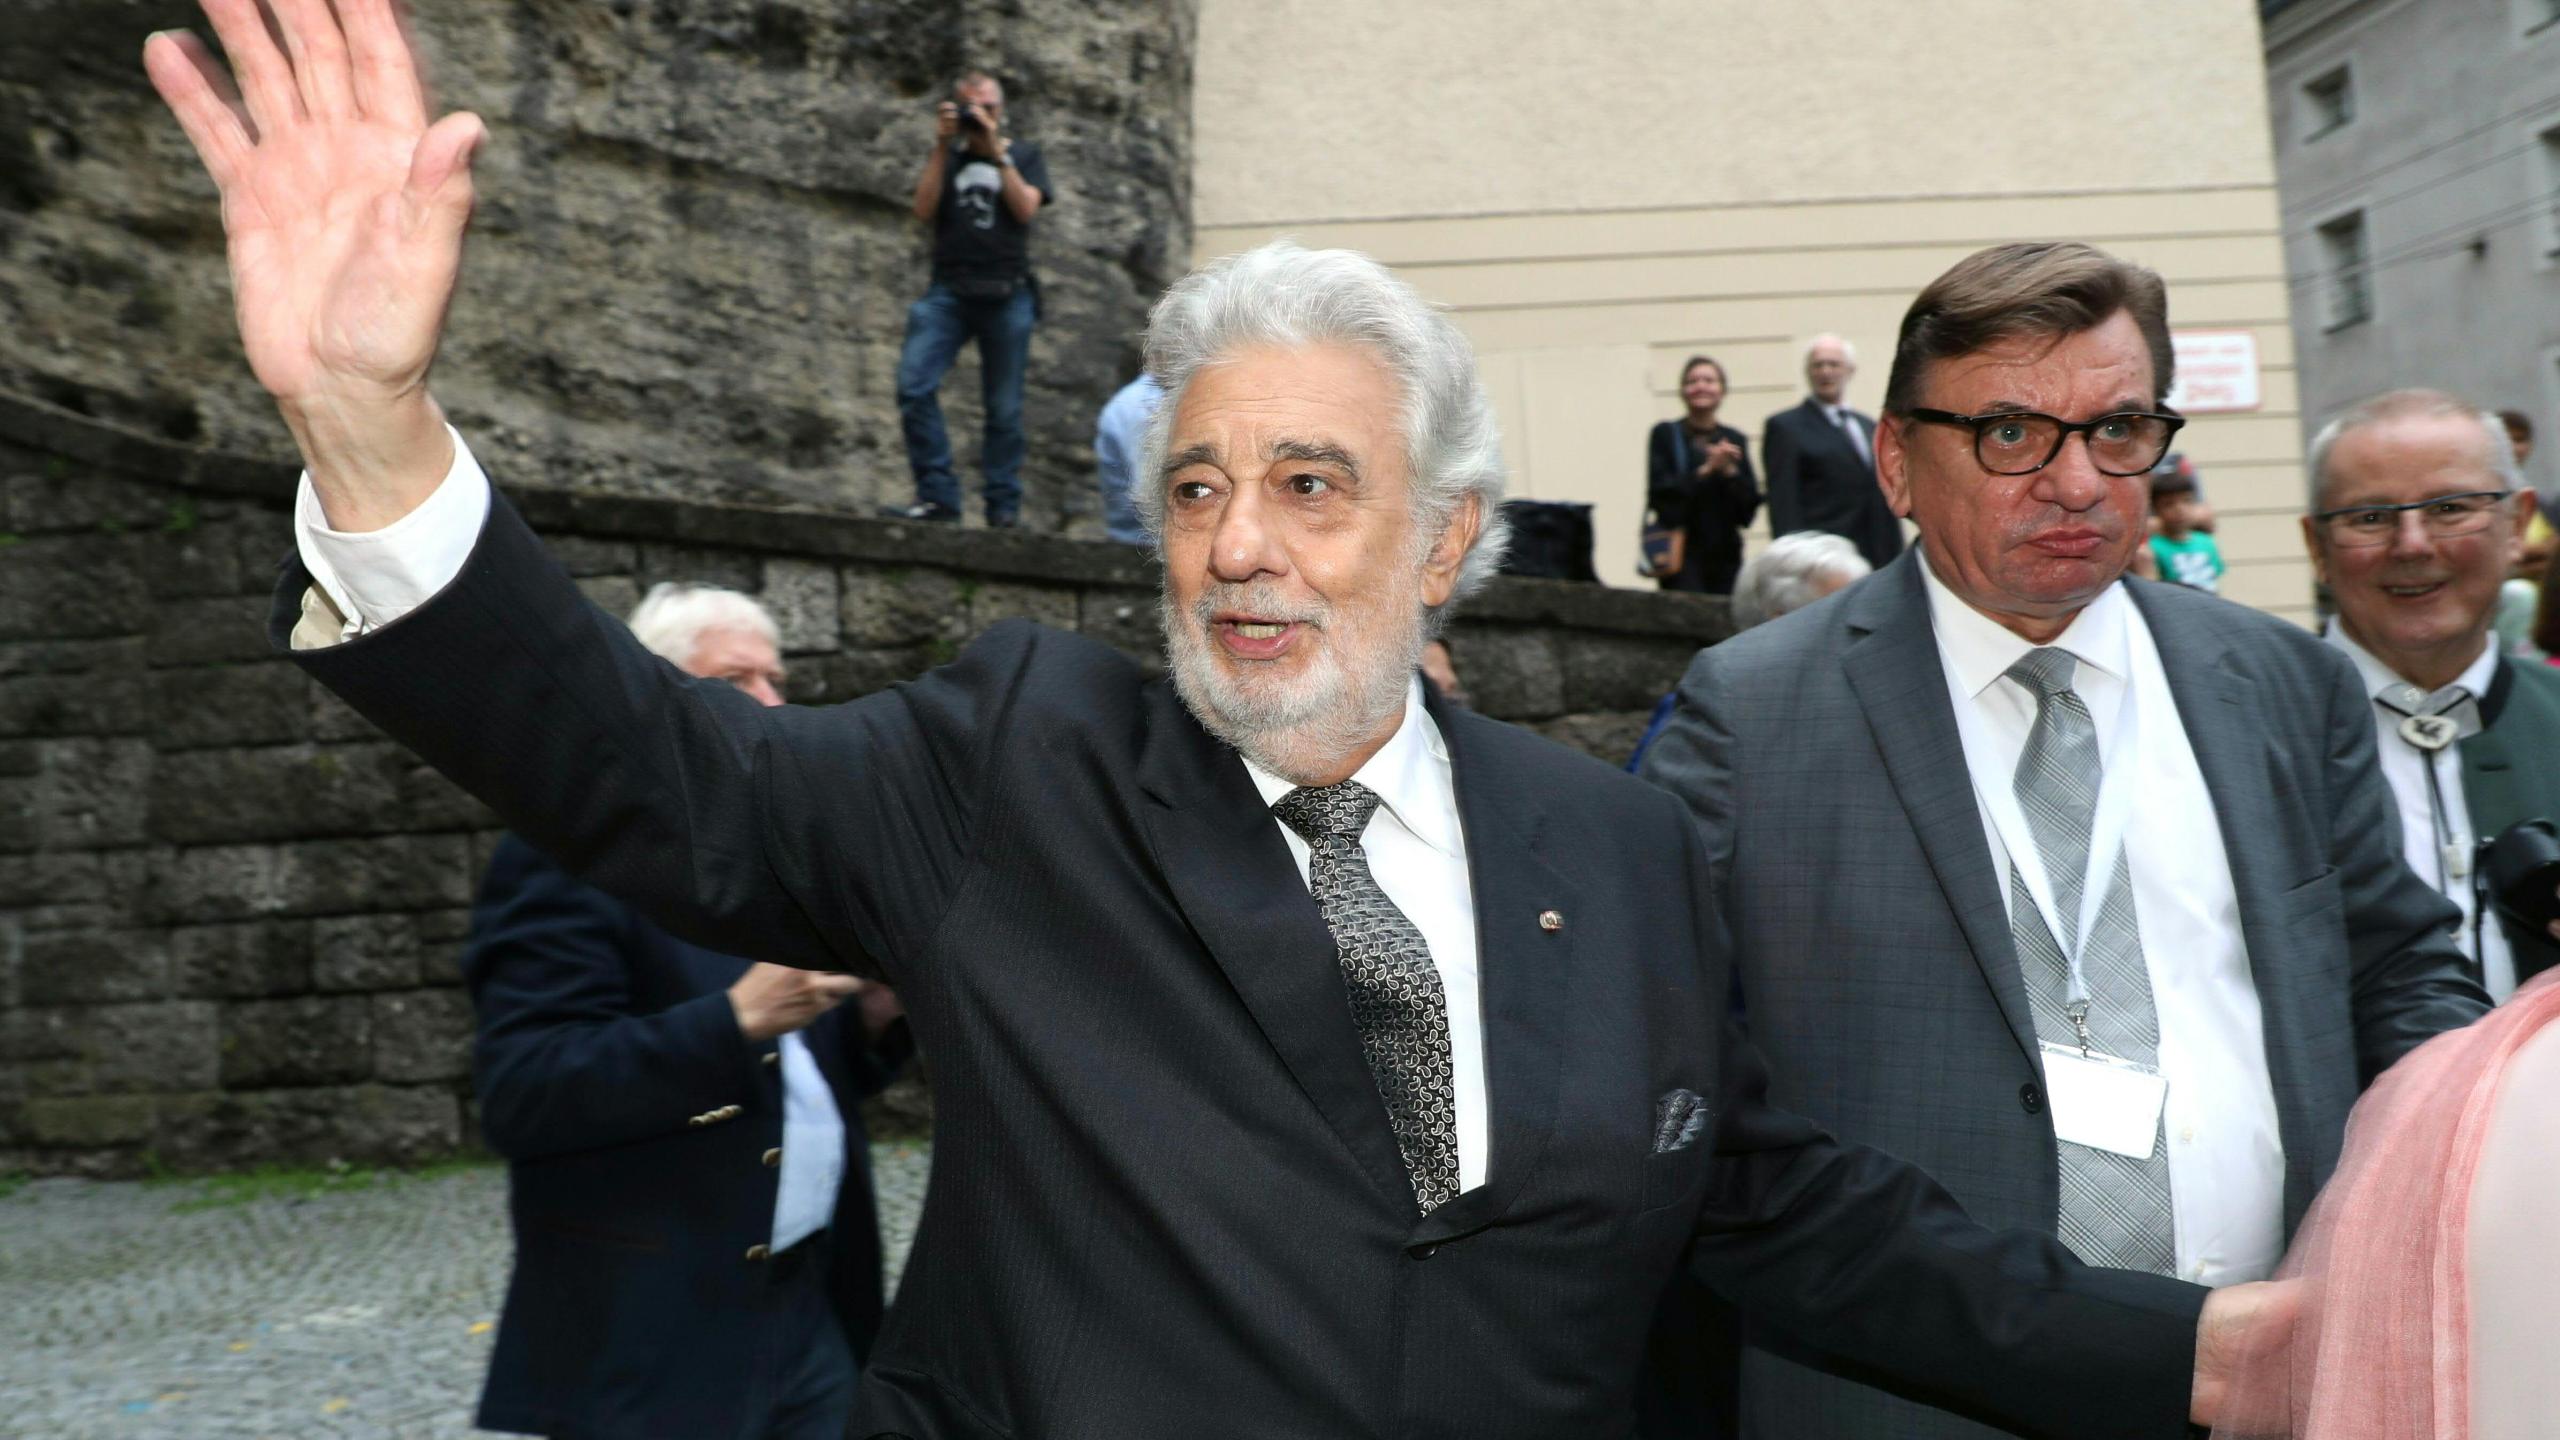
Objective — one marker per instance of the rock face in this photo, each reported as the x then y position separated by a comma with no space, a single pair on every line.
691,264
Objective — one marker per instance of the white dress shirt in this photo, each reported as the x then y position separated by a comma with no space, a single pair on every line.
2226,1158
1414,845
1419,857
376,576
2405,769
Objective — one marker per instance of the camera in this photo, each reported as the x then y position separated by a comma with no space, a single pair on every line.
968,114
2523,871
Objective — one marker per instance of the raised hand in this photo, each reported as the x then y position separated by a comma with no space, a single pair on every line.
344,212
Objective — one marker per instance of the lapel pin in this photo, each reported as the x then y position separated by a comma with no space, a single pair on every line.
1551,920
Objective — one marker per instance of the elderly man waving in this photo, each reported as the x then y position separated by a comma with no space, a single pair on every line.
1314,1060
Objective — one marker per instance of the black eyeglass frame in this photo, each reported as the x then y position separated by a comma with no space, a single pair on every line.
2487,512
2062,435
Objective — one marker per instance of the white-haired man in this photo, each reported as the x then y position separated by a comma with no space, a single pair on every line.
664,1108
1793,572
1819,460
1312,1060
2418,513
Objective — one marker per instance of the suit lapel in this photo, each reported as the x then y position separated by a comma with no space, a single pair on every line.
1222,855
1893,667
1524,972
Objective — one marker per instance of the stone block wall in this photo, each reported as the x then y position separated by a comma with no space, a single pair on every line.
230,909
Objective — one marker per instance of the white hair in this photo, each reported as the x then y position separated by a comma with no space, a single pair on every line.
1788,575
1827,338
674,616
1283,294
2498,448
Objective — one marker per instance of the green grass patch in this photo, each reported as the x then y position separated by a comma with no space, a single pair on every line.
236,1188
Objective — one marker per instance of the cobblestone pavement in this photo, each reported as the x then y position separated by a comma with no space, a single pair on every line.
208,1310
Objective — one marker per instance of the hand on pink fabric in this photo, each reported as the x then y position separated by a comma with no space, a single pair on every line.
2244,1328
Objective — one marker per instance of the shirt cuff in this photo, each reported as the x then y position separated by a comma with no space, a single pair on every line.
374,577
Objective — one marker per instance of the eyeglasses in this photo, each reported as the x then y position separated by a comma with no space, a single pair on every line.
2022,442
2444,516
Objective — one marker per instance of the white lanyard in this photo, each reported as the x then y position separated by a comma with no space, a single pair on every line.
2106,835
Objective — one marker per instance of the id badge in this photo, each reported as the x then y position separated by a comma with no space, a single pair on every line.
2104,1102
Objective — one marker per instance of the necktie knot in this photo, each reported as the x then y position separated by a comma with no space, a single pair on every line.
2047,671
1327,812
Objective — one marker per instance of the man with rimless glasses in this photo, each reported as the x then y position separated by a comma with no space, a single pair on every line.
2418,514
2080,892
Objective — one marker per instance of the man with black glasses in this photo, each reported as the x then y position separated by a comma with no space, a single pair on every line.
2079,892
2419,515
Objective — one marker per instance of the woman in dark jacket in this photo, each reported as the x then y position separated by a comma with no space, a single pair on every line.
1700,486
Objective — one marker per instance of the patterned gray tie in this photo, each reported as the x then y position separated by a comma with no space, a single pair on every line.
1396,1000
2115,1209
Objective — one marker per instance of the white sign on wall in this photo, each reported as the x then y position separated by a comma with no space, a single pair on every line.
2217,371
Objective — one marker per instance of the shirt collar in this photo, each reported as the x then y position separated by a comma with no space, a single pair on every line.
2379,677
1981,649
1410,774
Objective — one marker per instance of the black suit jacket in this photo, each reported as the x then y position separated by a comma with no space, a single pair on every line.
1821,754
1166,1200
1817,481
606,1062
1712,512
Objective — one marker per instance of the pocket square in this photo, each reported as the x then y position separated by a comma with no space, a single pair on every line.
1679,1118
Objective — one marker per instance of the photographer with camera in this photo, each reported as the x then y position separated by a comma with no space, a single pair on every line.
2418,514
979,190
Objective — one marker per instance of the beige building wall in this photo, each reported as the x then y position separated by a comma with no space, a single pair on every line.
1599,188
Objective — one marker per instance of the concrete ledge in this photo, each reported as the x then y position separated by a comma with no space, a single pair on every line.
1017,555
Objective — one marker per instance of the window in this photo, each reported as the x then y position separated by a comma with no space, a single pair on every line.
2329,102
2550,148
2345,267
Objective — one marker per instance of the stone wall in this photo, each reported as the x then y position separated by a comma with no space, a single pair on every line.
230,910
692,258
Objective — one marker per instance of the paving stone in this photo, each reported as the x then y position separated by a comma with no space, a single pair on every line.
196,1309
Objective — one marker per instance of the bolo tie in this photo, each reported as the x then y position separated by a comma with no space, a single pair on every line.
2431,721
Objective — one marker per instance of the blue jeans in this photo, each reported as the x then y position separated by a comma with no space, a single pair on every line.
937,326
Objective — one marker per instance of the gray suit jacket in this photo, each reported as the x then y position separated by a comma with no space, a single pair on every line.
1820,752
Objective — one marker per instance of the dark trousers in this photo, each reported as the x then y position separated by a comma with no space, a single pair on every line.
937,326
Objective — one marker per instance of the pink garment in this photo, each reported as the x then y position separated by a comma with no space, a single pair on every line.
2383,1349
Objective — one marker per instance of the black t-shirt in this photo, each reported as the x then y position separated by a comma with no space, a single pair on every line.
976,240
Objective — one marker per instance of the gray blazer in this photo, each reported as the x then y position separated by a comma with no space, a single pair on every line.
1821,755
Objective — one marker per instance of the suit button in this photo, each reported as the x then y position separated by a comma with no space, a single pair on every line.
2031,1098
731,1112
1426,1252
756,1253
697,1121
772,1158
773,1057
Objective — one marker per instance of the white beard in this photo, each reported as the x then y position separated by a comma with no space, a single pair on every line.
1305,728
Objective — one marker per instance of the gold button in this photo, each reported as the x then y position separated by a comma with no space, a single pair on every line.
756,1253
697,1121
730,1112
772,1158
773,1057
1551,920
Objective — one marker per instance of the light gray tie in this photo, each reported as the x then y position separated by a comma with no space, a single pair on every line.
2115,1209
1396,1001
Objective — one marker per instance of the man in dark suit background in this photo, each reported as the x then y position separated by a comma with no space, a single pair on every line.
1911,789
697,1248
1819,460
1314,1059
